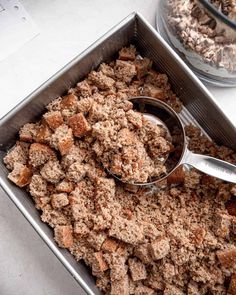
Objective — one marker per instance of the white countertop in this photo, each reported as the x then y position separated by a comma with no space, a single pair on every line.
67,27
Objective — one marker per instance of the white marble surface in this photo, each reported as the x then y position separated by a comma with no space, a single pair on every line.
67,27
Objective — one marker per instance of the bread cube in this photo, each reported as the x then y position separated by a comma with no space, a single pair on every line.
125,70
137,269
176,177
126,230
98,263
53,217
63,139
143,65
63,236
40,153
65,186
172,289
120,287
135,118
84,89
159,248
142,252
127,53
141,290
106,70
59,200
20,175
52,172
79,125
154,91
100,80
85,104
54,119
96,239
16,155
81,229
38,186
44,134
227,257
110,245
28,132
69,102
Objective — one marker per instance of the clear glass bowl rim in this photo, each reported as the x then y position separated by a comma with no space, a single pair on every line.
212,9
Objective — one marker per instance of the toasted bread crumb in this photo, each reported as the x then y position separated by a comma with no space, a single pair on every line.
110,245
84,89
20,175
120,287
137,269
28,132
227,257
40,153
63,236
126,230
65,186
16,155
100,80
62,139
59,200
79,125
54,119
44,134
99,264
232,285
159,248
52,172
127,53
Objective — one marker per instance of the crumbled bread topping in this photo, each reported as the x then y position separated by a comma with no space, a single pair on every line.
137,269
52,172
133,151
20,175
59,200
16,155
62,139
63,236
177,237
39,154
54,119
28,132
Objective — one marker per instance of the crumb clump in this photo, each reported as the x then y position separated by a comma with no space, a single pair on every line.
174,238
130,146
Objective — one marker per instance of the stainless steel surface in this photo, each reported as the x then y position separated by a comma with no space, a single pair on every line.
211,166
200,108
161,113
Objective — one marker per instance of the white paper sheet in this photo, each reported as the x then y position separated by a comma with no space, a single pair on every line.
16,27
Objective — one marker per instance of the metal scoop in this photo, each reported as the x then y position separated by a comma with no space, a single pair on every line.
161,114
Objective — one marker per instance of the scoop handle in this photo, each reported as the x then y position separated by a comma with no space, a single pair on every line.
212,166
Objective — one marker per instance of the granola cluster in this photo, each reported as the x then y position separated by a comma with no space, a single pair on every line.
177,237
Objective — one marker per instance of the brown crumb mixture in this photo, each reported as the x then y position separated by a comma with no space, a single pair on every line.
171,239
130,146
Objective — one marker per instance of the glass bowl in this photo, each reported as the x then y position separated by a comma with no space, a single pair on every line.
203,33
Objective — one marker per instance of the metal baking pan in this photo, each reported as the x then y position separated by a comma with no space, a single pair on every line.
199,107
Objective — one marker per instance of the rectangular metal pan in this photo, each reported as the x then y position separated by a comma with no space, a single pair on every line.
199,107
